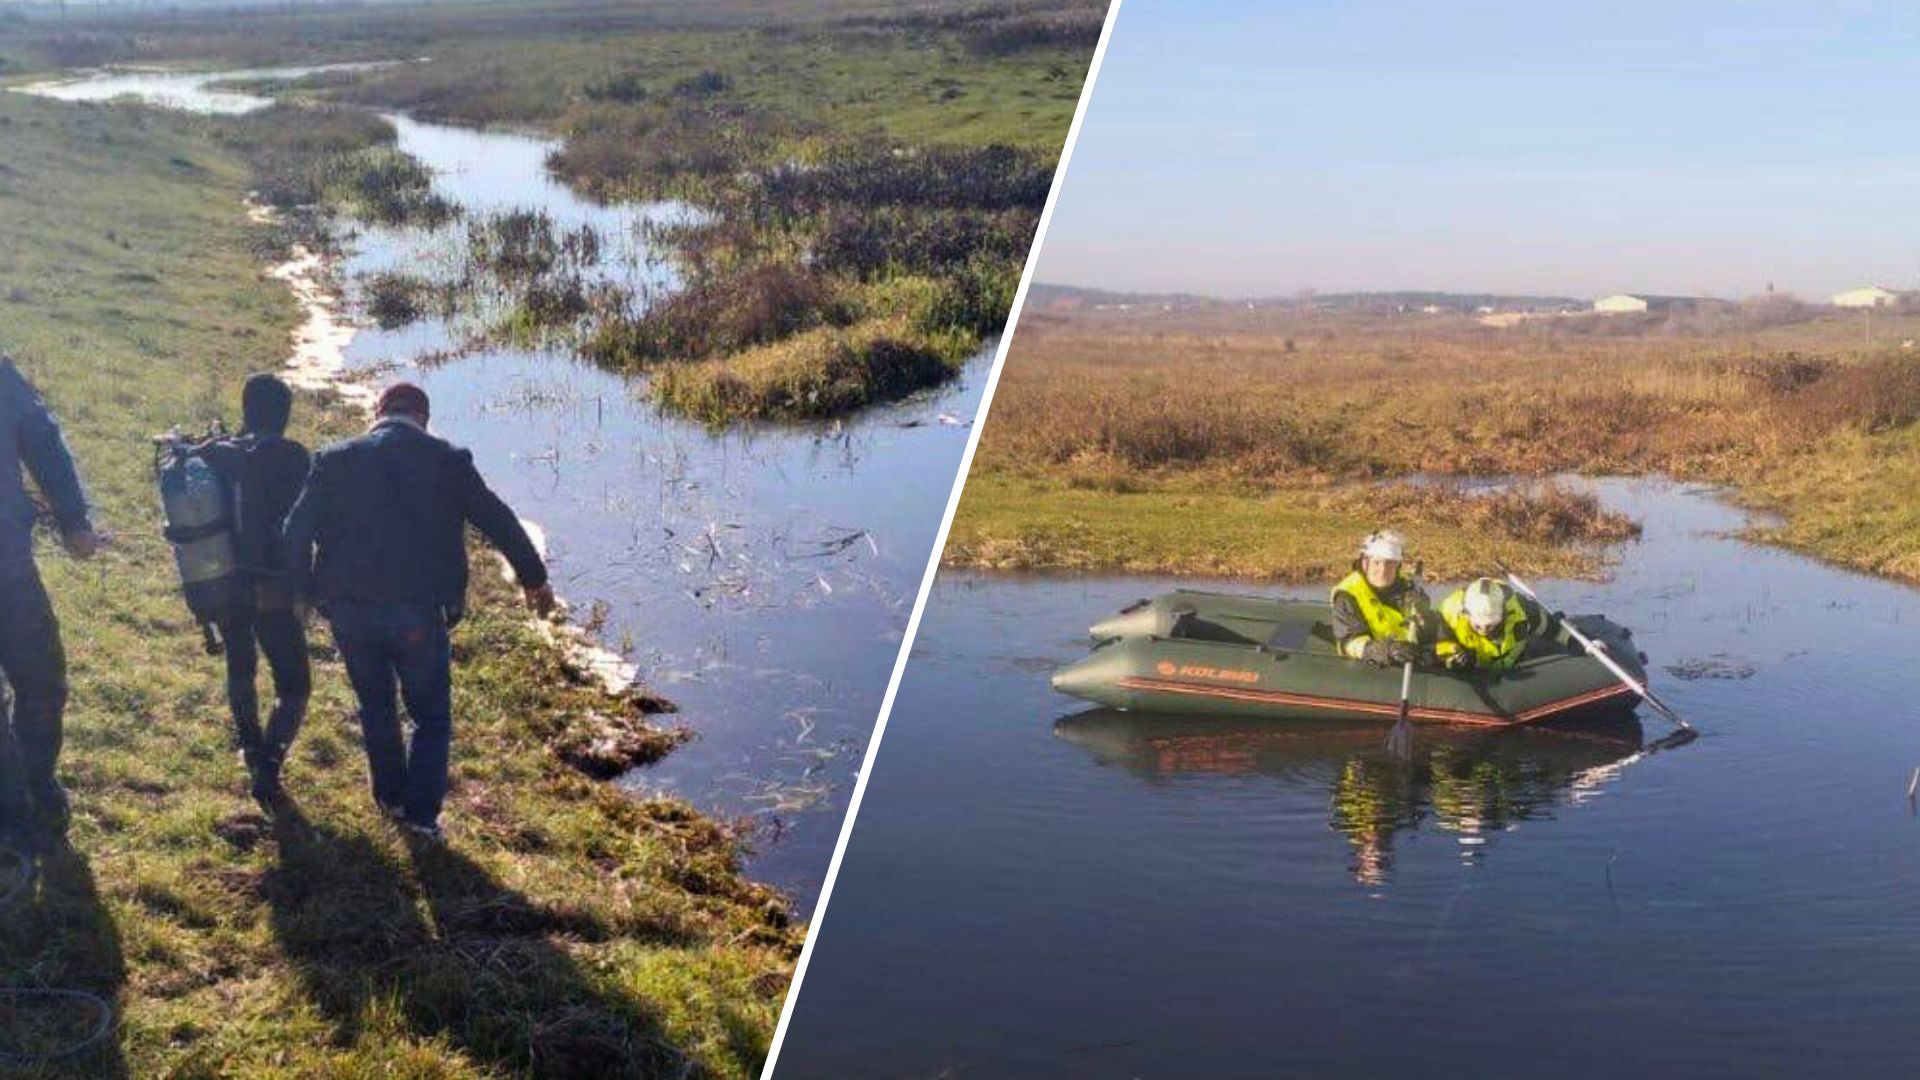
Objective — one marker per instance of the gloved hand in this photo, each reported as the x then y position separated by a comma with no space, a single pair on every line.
1402,652
1460,660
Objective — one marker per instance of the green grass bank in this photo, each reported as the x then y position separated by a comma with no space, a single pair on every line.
566,930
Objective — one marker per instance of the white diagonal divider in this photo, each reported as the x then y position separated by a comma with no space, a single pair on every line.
939,546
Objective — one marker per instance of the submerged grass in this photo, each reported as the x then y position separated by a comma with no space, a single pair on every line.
567,930
1797,411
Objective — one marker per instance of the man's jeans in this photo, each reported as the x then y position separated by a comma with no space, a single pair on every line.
34,665
403,644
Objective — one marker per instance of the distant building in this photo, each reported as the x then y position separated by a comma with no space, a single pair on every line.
1626,304
1872,296
1620,304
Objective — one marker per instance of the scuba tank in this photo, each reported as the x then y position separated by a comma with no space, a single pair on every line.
200,527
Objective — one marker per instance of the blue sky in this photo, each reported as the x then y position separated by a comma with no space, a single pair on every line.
1259,148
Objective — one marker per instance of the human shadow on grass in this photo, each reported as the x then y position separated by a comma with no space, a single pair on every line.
61,967
461,956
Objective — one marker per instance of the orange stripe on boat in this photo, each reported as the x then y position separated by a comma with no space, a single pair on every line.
1378,708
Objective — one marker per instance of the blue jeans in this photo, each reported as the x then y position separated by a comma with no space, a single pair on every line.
33,664
405,645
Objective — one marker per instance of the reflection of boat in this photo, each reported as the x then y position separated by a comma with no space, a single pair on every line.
1194,652
1473,783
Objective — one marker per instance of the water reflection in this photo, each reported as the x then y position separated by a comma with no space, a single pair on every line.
1473,785
761,577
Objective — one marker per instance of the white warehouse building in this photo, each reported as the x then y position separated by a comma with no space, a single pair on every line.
1620,304
1872,296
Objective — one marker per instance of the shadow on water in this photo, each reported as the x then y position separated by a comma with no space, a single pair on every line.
448,952
60,960
1471,784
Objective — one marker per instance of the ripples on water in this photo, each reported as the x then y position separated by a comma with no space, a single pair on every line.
1034,890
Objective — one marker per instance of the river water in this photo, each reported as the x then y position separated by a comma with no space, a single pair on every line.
760,578
1037,890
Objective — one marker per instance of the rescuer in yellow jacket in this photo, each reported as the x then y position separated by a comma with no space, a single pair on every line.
1379,611
1486,625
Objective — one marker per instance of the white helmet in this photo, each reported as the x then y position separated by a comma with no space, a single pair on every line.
1385,544
1486,605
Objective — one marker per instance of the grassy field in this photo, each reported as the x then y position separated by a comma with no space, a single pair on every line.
874,173
1256,441
566,930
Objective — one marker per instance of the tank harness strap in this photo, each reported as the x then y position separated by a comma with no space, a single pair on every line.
193,534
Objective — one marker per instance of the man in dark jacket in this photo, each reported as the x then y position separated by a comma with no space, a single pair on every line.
31,658
388,513
264,471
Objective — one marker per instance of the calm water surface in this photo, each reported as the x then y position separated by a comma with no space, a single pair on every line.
761,578
1034,890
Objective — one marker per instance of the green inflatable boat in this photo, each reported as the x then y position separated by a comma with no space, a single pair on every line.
1221,655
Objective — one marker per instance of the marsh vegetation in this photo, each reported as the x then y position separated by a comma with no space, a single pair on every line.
873,177
1239,408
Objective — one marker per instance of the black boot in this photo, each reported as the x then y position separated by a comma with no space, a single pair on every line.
263,770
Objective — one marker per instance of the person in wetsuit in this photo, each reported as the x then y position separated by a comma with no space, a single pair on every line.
263,471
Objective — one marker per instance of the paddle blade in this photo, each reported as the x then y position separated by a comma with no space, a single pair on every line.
1400,739
1677,738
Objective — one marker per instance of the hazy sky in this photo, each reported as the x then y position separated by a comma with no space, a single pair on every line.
1262,147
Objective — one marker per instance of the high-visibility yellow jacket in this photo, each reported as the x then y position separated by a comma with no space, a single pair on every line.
1502,648
1362,614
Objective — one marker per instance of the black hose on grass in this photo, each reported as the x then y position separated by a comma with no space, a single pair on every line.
82,998
19,882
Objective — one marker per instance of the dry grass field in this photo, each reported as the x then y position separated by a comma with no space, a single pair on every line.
1253,441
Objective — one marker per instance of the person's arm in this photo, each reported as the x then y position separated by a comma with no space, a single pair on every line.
1350,630
1420,612
297,534
1446,645
497,522
44,451
1540,622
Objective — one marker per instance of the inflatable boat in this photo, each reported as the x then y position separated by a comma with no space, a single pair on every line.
1222,655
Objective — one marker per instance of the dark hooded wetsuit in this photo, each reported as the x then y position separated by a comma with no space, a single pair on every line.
264,472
